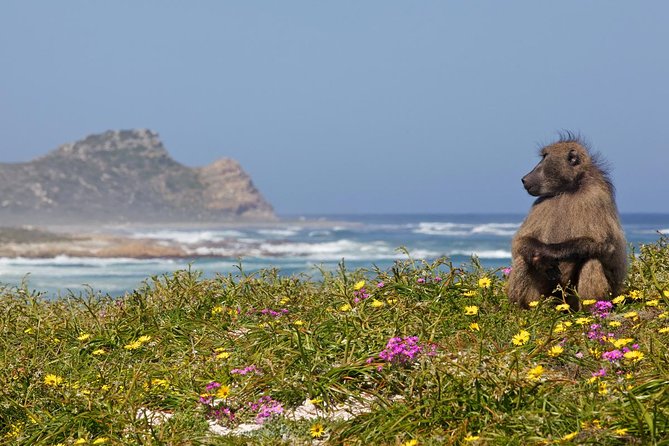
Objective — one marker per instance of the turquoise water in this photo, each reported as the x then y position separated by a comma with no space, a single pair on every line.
300,245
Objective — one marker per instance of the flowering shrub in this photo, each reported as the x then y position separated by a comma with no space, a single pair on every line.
405,350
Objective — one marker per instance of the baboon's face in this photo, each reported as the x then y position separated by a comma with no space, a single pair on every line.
560,170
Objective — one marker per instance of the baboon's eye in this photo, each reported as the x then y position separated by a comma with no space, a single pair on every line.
573,158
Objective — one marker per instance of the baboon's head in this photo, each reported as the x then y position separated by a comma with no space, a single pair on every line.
561,169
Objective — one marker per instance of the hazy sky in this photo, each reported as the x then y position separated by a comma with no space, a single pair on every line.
351,106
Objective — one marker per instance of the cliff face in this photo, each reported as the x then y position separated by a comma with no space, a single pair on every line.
125,176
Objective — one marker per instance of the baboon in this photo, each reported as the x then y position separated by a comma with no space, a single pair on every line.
572,237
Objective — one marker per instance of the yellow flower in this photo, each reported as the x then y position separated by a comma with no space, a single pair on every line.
469,293
298,322
534,374
158,382
223,392
315,401
618,300
662,315
665,293
28,330
533,304
562,307
359,285
474,326
588,302
391,301
635,295
663,330
81,441
621,431
484,282
412,442
615,324
631,315
105,387
223,355
634,356
15,430
345,307
583,320
559,328
217,309
471,310
470,438
83,337
317,430
133,345
570,436
53,380
284,301
101,440
652,303
603,389
618,343
98,352
143,339
555,350
521,338
377,303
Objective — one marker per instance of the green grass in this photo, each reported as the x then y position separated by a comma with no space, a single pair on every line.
78,370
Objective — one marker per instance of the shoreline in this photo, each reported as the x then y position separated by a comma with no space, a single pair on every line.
116,241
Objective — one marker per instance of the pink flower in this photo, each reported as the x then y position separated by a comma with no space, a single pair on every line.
404,350
245,371
600,373
266,408
612,355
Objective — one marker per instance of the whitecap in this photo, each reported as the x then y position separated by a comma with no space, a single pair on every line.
501,229
189,237
465,229
287,232
437,228
483,254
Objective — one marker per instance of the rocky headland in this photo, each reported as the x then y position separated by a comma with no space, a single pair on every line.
64,202
125,177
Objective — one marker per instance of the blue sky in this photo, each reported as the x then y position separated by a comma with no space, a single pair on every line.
350,106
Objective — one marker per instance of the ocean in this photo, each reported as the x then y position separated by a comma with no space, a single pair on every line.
298,245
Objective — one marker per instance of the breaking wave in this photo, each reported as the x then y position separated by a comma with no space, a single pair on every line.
465,229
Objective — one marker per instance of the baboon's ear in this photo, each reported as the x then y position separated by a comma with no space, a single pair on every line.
573,158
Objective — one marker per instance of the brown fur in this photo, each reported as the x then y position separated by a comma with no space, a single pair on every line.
572,236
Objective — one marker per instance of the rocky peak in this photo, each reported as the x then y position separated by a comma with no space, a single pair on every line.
142,141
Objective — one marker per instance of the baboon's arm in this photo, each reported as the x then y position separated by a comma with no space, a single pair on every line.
579,248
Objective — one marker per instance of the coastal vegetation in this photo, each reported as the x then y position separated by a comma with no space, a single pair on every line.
422,353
